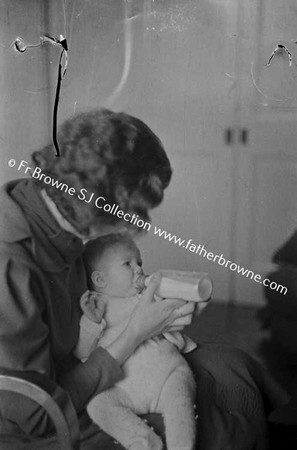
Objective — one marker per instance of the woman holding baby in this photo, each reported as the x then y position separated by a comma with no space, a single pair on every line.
43,277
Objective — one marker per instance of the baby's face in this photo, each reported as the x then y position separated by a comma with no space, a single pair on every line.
121,267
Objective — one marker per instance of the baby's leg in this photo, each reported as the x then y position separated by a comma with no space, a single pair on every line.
176,403
112,411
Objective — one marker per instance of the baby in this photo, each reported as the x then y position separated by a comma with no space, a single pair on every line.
157,378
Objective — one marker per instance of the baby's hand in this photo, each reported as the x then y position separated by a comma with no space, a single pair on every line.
92,306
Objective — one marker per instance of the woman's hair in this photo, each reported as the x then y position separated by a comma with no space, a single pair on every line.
113,155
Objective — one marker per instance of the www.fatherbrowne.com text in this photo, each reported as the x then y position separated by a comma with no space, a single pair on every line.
100,203
220,259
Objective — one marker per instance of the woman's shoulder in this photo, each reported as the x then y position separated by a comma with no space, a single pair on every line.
15,233
13,224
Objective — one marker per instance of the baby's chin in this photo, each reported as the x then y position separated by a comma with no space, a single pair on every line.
131,292
135,290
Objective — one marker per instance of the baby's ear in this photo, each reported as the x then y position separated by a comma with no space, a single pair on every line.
98,279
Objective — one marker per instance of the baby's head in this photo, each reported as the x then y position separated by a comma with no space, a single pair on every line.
114,266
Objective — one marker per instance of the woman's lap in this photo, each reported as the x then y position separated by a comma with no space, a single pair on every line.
234,396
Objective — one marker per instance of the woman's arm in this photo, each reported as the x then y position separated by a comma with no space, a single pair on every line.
149,318
98,373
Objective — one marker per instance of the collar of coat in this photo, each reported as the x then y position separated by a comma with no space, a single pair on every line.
23,215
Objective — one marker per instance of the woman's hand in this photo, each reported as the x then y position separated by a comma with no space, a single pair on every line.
186,314
150,318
